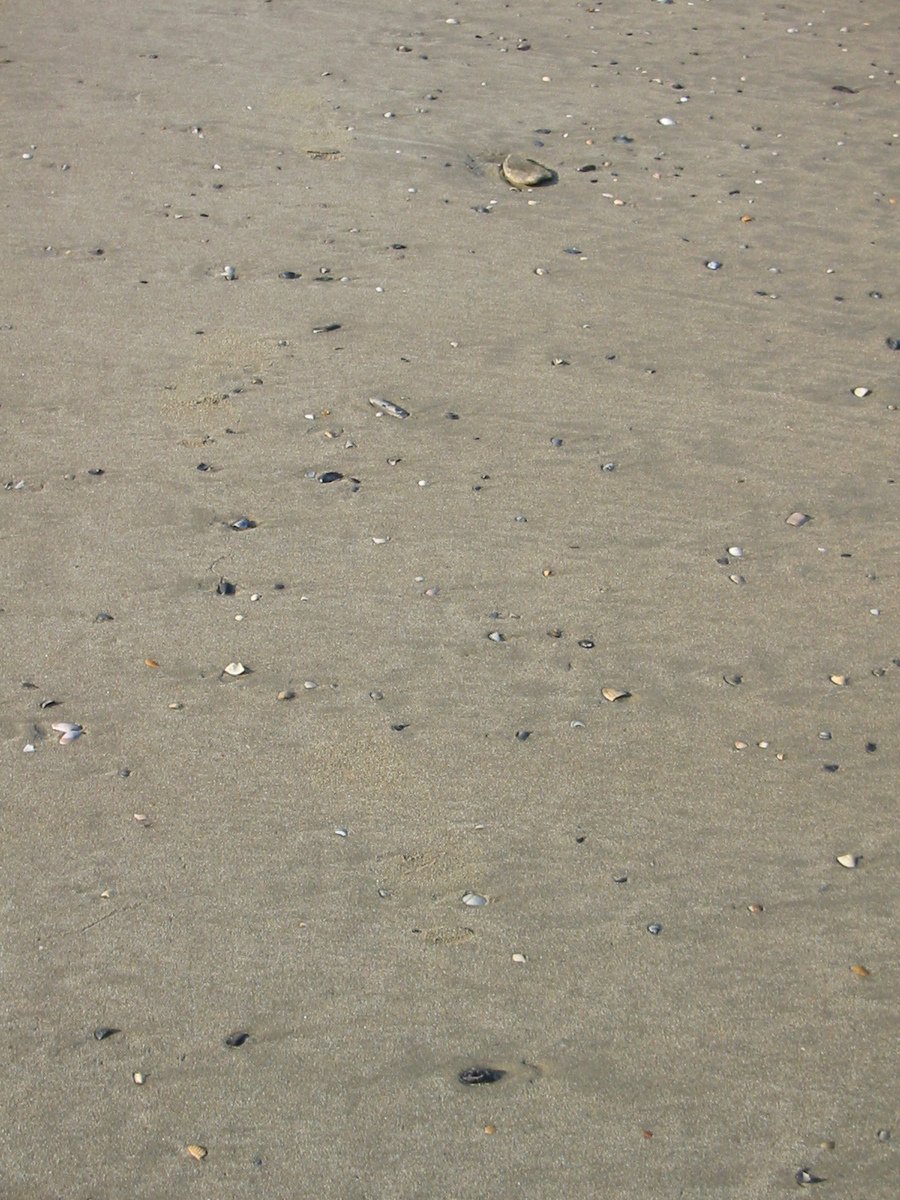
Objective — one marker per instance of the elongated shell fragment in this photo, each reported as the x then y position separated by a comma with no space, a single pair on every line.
388,406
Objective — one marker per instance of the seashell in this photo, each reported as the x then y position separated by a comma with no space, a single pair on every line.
243,523
713,265
736,551
330,477
522,172
234,669
859,971
611,693
473,1075
151,662
860,392
839,680
197,1153
518,958
473,900
665,121
138,1077
754,908
655,928
68,730
797,519
236,1039
849,860
229,272
102,1032
388,406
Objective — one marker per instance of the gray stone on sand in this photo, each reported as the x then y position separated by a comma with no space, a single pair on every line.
522,172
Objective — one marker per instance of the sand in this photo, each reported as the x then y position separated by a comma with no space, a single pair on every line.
714,1059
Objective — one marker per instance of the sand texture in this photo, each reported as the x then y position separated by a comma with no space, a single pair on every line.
606,436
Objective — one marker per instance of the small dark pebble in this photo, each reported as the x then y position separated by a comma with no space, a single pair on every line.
451,416
95,470
236,1039
288,275
279,587
871,747
571,250
103,616
557,441
623,139
473,1075
397,246
104,1031
587,167
581,839
203,467
398,728
124,772
224,587
892,343
330,328
849,91
523,735
330,477
831,768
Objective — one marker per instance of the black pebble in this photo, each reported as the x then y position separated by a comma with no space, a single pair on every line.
397,246
830,767
95,470
523,735
871,747
102,1032
398,728
224,587
330,476
451,416
480,1075
203,467
892,343
236,1039
587,167
288,275
557,441
103,616
330,328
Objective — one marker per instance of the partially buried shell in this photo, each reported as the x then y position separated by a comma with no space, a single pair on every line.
235,669
522,172
196,1152
388,406
68,730
611,693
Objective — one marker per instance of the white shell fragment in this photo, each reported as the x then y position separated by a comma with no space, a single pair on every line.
797,519
229,272
850,861
839,680
611,694
68,730
473,900
388,406
235,669
665,121
861,392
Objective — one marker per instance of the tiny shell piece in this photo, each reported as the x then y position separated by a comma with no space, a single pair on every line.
473,900
839,680
860,392
151,663
797,519
197,1153
235,669
859,971
69,731
848,860
611,693
138,1077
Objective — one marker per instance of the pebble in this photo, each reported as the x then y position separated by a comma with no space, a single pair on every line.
329,477
736,551
477,1075
138,1077
839,680
288,275
518,958
285,694
797,519
713,265
521,172
883,1135
236,1039
102,1032
665,121
243,523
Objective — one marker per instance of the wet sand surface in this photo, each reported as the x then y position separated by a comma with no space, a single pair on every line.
207,859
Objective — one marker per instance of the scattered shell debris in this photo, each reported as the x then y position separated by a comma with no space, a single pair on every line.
196,1152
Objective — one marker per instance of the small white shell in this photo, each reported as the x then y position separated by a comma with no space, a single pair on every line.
736,551
473,900
665,121
860,392
229,272
68,730
848,860
235,669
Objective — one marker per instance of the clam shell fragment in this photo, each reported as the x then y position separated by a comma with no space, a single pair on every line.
848,860
68,730
388,406
611,694
234,669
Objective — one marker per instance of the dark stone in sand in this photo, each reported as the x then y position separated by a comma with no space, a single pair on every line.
473,1075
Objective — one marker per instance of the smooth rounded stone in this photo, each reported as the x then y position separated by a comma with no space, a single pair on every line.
521,172
477,1075
288,275
285,694
797,519
586,644
665,121
883,1135
474,900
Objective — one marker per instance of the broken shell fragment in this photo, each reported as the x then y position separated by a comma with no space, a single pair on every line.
861,392
849,860
859,971
611,694
474,900
797,519
839,680
197,1153
68,730
235,669
522,172
388,406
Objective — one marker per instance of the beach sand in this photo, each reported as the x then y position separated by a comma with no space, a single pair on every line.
208,859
